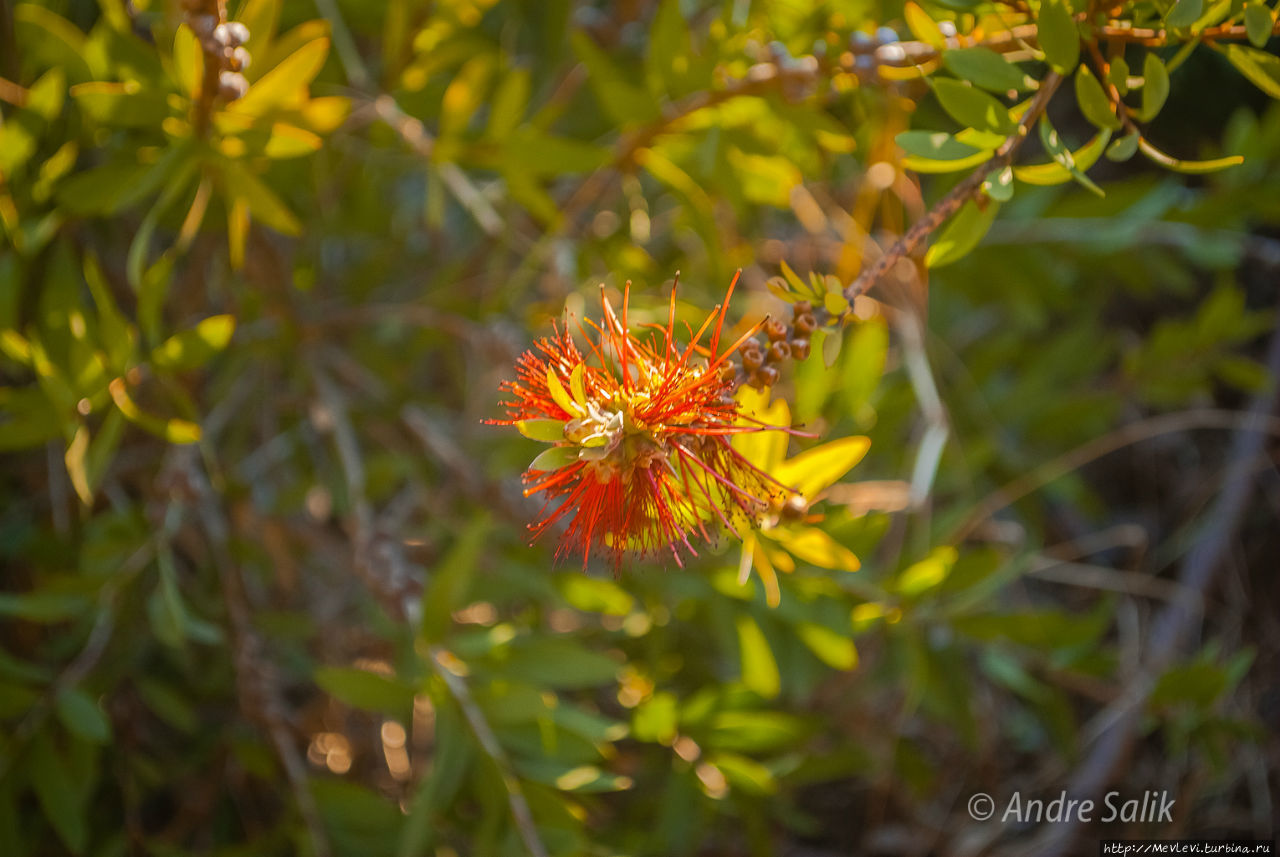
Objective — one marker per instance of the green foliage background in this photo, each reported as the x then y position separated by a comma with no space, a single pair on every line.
266,586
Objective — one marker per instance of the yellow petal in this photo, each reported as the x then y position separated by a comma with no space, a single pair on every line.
815,546
814,470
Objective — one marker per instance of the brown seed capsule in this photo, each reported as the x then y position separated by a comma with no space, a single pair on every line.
232,85
799,348
752,358
728,371
779,352
804,323
775,330
794,509
799,308
768,376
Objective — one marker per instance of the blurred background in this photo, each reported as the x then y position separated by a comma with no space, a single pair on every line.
265,581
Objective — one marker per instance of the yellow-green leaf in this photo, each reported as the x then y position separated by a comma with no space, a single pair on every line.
962,234
547,431
923,27
193,348
1059,38
834,649
286,84
759,669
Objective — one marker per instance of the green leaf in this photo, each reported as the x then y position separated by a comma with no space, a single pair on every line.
759,669
834,649
43,607
1118,75
285,85
1094,104
1059,152
936,145
1124,148
57,792
193,348
558,663
510,100
595,595
624,102
923,27
1262,68
1155,87
125,105
1188,167
45,96
366,690
1059,38
82,715
931,166
1184,13
262,202
554,458
656,719
449,585
926,574
668,58
962,234
998,185
465,94
454,751
985,68
547,431
536,153
973,107
743,774
1055,172
1259,22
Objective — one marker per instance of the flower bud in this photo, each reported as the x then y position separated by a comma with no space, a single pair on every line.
232,85
239,60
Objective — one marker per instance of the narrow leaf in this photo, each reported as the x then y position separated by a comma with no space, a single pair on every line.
1094,104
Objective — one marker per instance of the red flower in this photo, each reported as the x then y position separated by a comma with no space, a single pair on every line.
640,428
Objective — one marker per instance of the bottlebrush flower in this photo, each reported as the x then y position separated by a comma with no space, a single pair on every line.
640,457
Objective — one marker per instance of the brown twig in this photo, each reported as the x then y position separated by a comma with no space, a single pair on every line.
966,190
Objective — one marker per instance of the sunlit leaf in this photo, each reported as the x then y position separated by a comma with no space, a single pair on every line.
759,669
962,234
985,68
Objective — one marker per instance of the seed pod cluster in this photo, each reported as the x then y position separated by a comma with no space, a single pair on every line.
222,43
761,362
